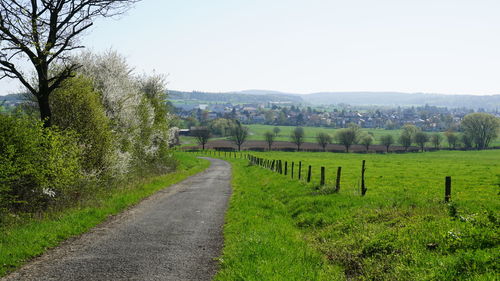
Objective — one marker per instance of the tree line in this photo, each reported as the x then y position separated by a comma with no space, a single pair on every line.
478,131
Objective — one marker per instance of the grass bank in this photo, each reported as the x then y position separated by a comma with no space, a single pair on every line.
22,241
283,229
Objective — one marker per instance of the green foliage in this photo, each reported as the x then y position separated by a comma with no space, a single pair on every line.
297,137
482,128
222,127
76,106
387,141
24,240
239,135
348,136
323,139
421,138
452,139
436,140
269,138
366,140
38,166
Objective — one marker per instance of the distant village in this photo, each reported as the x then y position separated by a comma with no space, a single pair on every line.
428,118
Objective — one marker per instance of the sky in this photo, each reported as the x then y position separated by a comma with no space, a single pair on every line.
306,46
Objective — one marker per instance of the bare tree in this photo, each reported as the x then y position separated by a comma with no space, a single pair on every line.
323,139
239,135
202,136
269,136
45,32
387,141
297,137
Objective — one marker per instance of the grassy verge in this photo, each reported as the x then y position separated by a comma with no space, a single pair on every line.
282,229
261,241
21,242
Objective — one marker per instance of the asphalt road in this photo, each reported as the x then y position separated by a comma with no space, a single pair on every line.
175,234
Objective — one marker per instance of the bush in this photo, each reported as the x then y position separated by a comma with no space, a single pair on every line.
76,106
38,166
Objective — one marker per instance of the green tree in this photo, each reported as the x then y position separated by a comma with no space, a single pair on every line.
421,139
323,139
366,140
408,135
410,130
387,141
436,140
467,141
269,137
269,117
452,139
76,106
276,131
202,135
239,135
405,140
38,166
297,137
481,127
348,136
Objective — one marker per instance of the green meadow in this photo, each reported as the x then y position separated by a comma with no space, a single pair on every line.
278,228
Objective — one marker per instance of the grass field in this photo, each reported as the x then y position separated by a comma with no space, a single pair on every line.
283,229
22,241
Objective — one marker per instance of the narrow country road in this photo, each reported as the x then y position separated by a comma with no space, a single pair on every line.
175,234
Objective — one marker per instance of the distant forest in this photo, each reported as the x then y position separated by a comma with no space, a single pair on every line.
390,99
233,98
490,103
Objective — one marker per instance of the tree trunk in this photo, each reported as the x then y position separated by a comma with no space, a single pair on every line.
45,112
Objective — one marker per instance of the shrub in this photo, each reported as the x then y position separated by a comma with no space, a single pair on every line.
76,106
38,166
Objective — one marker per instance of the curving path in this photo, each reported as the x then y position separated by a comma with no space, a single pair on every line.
175,234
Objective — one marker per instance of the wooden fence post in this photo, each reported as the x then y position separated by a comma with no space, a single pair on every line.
286,168
447,189
309,174
293,166
300,170
337,183
363,187
322,181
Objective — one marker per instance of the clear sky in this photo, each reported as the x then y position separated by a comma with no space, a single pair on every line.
303,46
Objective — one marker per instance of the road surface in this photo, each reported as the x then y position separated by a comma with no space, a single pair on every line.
175,234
